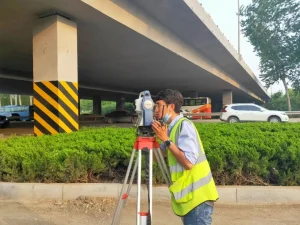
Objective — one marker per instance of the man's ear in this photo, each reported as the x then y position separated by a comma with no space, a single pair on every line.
172,106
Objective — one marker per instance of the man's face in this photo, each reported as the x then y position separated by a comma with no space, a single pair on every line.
162,108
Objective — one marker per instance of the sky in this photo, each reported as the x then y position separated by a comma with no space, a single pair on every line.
224,14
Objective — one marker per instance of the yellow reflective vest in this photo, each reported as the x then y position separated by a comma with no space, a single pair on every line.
190,187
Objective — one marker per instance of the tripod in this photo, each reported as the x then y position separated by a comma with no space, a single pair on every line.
148,145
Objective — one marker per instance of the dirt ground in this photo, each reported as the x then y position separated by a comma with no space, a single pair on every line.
100,211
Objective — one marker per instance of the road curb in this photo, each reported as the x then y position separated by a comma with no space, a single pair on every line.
227,194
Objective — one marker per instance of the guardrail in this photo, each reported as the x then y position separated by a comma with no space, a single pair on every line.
293,112
91,117
201,115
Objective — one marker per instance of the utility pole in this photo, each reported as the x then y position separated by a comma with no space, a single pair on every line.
239,30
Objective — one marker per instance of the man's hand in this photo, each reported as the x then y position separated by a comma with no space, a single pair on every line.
161,131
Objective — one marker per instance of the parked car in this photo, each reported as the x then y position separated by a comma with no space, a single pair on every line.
121,116
251,112
4,122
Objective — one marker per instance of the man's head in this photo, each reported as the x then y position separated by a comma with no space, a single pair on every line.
168,104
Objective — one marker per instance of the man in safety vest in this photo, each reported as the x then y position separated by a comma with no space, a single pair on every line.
193,190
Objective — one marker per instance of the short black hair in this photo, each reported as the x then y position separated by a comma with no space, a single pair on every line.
171,97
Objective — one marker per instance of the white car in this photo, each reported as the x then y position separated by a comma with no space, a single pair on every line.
250,112
183,111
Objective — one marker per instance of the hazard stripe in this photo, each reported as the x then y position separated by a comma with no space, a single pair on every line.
55,107
67,101
52,116
55,111
75,84
68,96
41,121
37,132
61,109
69,90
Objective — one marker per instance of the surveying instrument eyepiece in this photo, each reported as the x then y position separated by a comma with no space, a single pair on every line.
145,144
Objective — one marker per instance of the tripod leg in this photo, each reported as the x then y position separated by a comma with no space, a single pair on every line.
138,205
161,159
163,167
128,191
117,212
150,182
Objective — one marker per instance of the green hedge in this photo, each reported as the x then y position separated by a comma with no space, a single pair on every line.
254,153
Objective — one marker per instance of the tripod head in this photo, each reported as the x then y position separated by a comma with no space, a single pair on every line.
144,106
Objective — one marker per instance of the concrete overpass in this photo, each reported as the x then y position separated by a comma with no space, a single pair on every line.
111,48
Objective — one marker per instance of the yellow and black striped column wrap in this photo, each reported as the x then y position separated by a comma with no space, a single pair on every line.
55,107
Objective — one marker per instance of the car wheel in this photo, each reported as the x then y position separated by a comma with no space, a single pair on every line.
110,120
16,117
233,119
5,125
274,119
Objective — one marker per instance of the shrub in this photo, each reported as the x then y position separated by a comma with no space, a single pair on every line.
253,153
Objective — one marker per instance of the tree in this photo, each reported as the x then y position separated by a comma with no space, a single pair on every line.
86,106
4,99
1,96
277,101
7,99
273,28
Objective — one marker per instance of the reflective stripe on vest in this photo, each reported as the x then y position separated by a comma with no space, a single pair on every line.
178,168
194,186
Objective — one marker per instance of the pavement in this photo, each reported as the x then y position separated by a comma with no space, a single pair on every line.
227,194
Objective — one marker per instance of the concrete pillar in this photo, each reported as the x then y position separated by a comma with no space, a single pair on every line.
216,104
55,76
227,97
97,105
120,103
79,106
